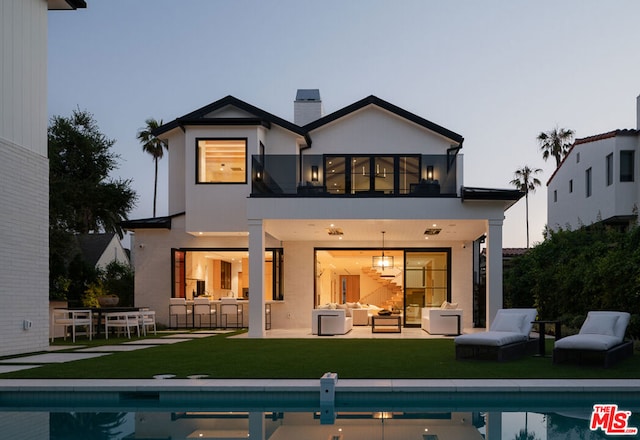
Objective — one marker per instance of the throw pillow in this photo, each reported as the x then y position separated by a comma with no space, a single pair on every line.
452,306
347,310
508,322
599,325
444,305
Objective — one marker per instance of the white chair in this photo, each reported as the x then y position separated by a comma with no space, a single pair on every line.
73,319
178,307
230,308
203,307
147,319
122,320
601,335
507,338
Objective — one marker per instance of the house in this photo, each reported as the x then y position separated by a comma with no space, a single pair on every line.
24,174
99,250
366,204
596,181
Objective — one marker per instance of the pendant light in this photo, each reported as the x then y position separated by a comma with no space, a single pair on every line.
383,261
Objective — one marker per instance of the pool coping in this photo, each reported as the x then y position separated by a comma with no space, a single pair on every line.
306,385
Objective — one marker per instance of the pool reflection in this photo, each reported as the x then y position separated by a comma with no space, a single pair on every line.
273,425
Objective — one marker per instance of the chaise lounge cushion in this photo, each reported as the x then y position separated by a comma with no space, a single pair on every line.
491,338
600,331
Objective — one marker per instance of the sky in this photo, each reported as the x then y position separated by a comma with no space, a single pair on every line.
498,73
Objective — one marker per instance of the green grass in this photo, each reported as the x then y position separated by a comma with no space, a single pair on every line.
223,357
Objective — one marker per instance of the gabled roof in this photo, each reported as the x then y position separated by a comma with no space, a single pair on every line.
93,246
374,100
594,138
264,118
197,117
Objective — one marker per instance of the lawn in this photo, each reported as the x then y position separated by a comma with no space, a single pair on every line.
224,357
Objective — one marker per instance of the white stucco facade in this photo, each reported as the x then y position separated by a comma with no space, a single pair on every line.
272,210
593,184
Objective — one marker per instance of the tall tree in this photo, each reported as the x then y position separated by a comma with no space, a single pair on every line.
82,197
555,143
155,147
525,181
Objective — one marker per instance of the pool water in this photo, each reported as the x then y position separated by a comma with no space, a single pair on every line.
375,423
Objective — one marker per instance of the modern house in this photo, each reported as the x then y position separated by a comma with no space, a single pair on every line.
24,174
597,181
366,204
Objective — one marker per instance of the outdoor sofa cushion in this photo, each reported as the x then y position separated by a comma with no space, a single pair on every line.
611,325
491,338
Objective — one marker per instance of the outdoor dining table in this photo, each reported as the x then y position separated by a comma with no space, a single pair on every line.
98,313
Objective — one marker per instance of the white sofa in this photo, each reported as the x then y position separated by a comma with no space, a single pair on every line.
439,321
334,321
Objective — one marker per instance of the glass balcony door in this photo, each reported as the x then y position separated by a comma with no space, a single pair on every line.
427,281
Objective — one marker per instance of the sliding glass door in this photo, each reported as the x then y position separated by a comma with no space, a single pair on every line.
427,281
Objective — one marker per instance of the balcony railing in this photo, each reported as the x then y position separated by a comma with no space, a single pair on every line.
353,175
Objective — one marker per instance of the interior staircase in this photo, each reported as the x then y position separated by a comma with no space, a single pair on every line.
390,293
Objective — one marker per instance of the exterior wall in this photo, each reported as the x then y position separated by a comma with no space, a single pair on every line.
375,131
574,209
24,171
176,171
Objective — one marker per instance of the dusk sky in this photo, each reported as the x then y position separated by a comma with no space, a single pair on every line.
496,72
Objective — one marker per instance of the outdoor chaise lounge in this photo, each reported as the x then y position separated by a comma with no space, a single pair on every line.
507,338
601,335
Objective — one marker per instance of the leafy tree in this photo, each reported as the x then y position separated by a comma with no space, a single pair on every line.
82,198
524,181
555,143
155,147
573,272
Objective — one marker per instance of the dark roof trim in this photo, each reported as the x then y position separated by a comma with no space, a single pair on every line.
226,101
374,100
470,193
226,121
150,223
71,4
594,138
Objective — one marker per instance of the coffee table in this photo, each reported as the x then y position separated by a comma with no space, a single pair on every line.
386,324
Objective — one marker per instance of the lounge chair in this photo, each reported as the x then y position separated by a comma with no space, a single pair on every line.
507,338
601,335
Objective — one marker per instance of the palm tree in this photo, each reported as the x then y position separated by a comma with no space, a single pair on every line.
155,147
555,143
525,181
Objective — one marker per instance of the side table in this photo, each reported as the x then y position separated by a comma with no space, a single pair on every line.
542,349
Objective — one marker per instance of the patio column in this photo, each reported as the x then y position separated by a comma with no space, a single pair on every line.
256,278
494,269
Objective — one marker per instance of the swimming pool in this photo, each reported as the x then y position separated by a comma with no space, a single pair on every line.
292,409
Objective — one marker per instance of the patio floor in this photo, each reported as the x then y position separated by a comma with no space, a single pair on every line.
359,332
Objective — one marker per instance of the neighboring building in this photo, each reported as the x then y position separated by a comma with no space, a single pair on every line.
99,250
311,207
24,174
597,181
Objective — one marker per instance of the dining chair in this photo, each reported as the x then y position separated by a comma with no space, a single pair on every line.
72,318
122,320
147,319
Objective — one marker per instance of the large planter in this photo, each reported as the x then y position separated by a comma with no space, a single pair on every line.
108,301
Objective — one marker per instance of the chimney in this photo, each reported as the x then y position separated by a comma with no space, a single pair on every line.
307,107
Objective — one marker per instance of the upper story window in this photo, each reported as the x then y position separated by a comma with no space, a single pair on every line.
571,185
626,165
221,160
609,169
588,179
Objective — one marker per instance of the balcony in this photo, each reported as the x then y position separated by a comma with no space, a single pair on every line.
354,175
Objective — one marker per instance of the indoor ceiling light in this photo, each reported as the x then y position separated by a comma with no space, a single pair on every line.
382,261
